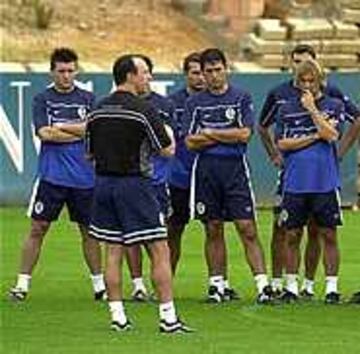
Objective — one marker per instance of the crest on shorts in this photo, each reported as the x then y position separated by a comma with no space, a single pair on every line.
248,208
81,112
230,113
200,208
283,216
39,207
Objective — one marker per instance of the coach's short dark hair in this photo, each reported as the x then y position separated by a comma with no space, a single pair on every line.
123,66
193,57
212,55
62,55
303,48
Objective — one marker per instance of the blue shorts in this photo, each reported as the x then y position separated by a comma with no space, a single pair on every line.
180,210
125,211
323,208
221,189
49,199
163,197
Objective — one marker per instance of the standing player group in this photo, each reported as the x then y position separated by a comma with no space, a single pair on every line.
132,168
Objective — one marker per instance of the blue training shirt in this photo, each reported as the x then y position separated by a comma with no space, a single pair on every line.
233,109
166,110
286,91
313,169
181,163
63,164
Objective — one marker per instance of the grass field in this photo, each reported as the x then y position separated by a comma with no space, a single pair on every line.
61,317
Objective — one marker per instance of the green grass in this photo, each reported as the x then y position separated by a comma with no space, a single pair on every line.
61,317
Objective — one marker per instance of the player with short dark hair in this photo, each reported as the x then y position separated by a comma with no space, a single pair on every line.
274,100
180,172
123,133
307,128
65,177
219,122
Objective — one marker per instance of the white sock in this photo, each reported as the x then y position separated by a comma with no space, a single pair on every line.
117,312
218,281
261,281
276,284
292,284
308,285
138,284
98,282
167,312
23,282
331,284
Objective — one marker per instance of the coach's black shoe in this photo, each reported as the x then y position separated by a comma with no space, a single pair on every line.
100,295
17,294
214,295
230,294
332,298
266,296
139,295
306,295
118,327
355,298
287,297
175,327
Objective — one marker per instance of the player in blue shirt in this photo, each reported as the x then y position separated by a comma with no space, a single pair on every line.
180,171
160,172
275,99
307,128
219,123
65,177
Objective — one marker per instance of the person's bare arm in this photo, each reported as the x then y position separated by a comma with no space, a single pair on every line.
228,136
270,146
326,129
198,141
56,135
77,129
350,136
290,144
169,150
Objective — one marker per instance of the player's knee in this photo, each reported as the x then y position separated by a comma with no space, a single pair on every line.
293,238
248,231
215,229
329,237
39,229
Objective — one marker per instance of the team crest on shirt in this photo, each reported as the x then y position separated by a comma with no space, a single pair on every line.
283,216
39,207
200,208
81,112
230,114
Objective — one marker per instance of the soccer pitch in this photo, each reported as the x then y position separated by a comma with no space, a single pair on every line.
60,315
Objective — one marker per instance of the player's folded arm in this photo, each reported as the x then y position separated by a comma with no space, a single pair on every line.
230,136
56,135
77,129
291,144
198,141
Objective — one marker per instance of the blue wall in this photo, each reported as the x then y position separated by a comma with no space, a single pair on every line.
18,152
